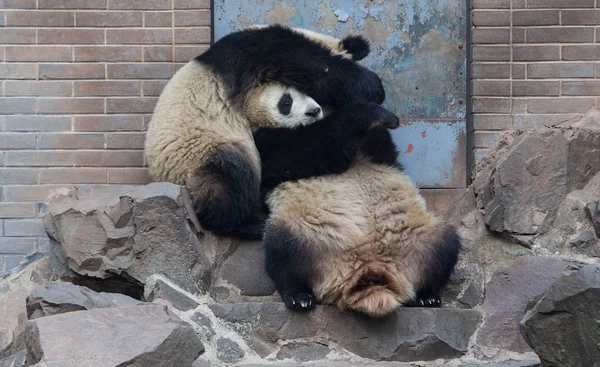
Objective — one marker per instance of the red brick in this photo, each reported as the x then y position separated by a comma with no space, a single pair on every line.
107,88
70,36
70,105
30,192
581,52
139,71
18,176
485,18
185,54
154,87
491,88
531,122
72,4
37,123
138,36
73,176
536,17
109,19
37,88
536,88
491,53
581,88
485,140
70,141
15,35
18,71
99,158
560,3
39,53
489,36
518,71
191,4
24,227
190,18
38,158
158,53
17,245
491,105
192,35
17,4
491,122
158,19
17,141
129,176
71,71
18,105
125,140
108,123
140,4
131,105
108,53
536,53
559,70
491,71
17,210
40,18
560,35
580,17
560,105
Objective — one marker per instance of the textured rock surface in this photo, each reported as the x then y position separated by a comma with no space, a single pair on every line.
14,288
15,360
409,334
157,288
139,231
146,335
562,327
60,297
507,296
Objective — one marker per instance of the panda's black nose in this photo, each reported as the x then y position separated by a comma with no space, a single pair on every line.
313,112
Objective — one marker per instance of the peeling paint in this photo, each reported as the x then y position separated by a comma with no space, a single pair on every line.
375,31
341,15
328,20
424,134
409,149
280,14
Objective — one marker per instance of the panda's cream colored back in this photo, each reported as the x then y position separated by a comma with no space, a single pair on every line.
193,115
369,220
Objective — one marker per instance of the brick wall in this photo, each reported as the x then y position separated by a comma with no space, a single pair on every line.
534,63
79,80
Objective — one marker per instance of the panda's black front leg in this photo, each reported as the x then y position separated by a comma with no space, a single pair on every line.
288,263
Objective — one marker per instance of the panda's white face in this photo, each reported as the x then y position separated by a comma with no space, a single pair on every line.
285,106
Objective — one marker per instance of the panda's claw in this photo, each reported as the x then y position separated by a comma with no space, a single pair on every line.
299,301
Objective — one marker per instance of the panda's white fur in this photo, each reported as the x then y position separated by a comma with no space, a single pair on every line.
368,240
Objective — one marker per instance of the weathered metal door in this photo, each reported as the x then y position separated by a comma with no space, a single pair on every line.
418,49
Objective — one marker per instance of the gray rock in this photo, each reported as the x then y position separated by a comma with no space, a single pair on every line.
136,231
245,270
562,328
162,290
507,296
304,351
229,351
146,335
60,297
15,360
204,322
14,288
409,334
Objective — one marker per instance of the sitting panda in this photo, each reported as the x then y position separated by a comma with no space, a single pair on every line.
200,137
362,239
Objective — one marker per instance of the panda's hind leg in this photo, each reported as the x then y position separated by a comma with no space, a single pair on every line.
225,191
289,264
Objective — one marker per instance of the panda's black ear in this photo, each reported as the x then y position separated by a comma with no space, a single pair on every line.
357,46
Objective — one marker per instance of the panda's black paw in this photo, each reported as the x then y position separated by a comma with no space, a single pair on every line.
300,301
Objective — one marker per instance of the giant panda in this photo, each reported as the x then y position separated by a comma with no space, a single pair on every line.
362,239
199,135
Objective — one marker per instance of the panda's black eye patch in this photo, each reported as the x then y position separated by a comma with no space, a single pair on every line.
285,104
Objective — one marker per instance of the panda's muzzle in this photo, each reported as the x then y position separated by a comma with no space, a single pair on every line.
313,112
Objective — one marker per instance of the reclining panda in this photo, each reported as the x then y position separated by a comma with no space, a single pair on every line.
362,239
200,135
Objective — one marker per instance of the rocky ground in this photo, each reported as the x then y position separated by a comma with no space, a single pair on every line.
131,280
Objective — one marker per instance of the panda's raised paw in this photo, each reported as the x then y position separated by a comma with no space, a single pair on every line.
300,301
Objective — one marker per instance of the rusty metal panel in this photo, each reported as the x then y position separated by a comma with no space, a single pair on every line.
419,52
